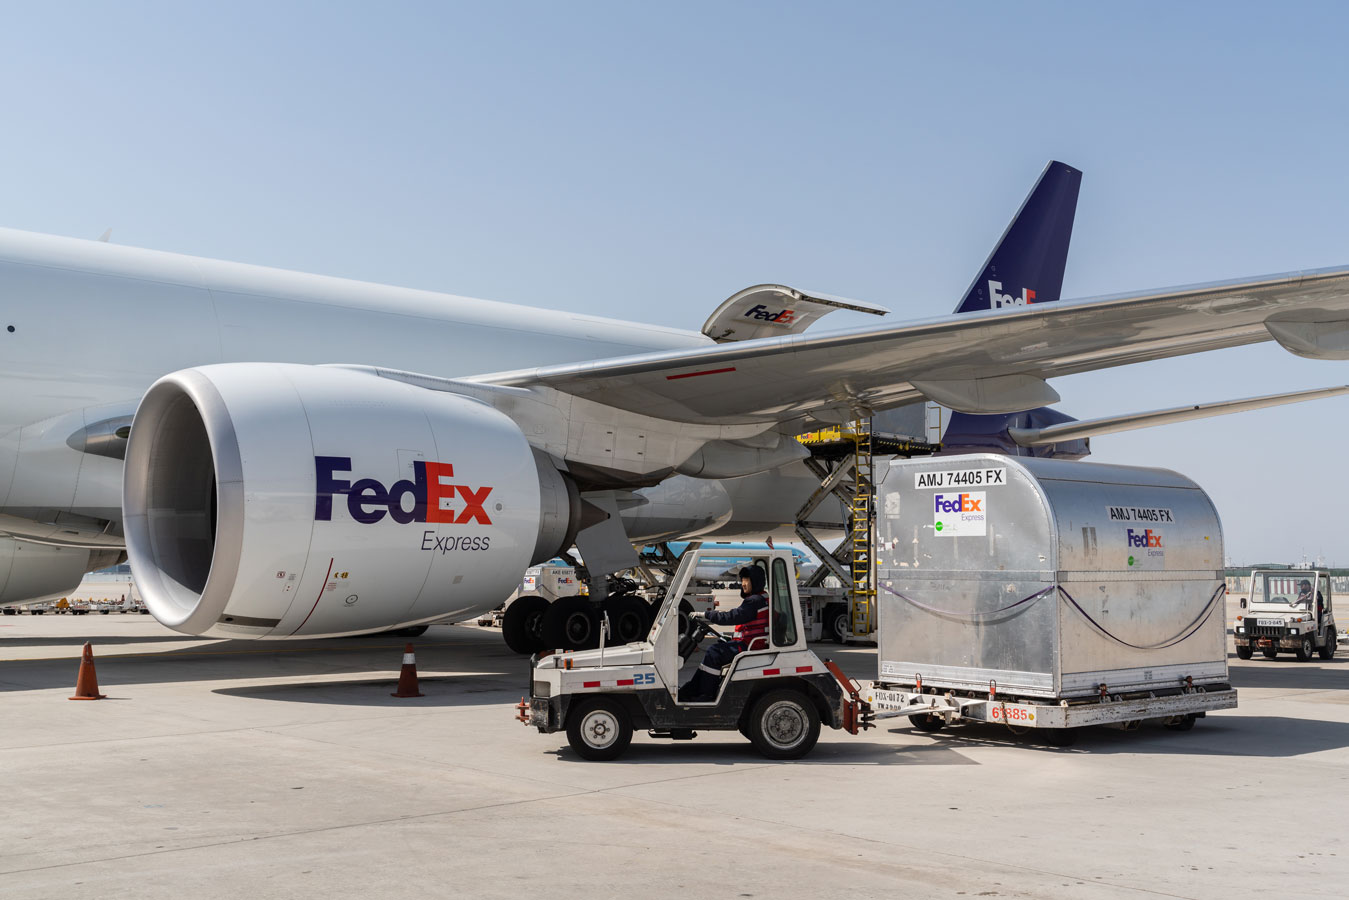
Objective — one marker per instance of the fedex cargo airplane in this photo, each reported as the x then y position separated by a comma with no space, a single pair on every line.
290,456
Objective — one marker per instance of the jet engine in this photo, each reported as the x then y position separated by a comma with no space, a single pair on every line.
268,500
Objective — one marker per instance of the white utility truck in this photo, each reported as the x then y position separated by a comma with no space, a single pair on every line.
1048,594
776,692
1288,609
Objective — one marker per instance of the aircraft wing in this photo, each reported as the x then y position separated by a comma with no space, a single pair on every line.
982,362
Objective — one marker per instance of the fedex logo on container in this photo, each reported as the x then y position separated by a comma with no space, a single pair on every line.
1145,538
959,503
761,313
433,500
998,299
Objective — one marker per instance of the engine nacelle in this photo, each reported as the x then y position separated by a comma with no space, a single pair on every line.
269,500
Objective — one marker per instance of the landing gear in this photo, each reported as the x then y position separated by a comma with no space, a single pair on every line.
522,624
570,623
629,618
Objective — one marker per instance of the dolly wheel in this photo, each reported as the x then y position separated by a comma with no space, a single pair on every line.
1184,723
1060,737
928,722
784,725
599,729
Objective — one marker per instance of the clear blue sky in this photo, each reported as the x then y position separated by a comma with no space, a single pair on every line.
645,161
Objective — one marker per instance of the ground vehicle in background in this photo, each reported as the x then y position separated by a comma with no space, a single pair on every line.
776,692
1288,609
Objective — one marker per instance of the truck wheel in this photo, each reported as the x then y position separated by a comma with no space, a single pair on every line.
520,624
836,622
1304,649
1270,652
599,729
1243,652
784,725
928,722
1184,723
1327,650
1060,737
570,623
628,619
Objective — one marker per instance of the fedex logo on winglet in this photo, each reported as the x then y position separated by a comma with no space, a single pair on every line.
998,299
958,503
761,313
368,501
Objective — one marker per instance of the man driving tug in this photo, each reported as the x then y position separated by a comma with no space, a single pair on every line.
750,619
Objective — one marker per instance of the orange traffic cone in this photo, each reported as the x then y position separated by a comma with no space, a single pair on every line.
407,677
86,683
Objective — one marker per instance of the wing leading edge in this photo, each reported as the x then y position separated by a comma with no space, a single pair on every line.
978,362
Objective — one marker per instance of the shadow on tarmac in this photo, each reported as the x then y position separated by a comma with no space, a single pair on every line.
450,690
722,748
1286,672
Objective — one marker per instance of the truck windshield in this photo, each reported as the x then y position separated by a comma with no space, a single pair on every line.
1284,589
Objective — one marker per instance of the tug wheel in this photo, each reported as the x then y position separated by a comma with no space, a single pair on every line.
784,725
599,729
1304,649
1244,653
1270,652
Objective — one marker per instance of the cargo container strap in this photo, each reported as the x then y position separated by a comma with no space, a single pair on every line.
1184,633
970,617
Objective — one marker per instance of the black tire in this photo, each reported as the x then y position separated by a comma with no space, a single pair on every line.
1304,649
1270,652
1244,652
1060,737
1184,723
629,619
928,722
836,622
686,646
598,728
521,624
784,724
570,623
1328,650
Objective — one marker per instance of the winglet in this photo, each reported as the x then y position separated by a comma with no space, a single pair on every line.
1027,265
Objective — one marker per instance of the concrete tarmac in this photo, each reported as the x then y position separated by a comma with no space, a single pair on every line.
221,769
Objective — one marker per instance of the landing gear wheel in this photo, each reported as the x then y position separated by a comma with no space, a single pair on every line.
928,722
570,623
629,619
1060,737
836,622
1184,723
411,631
521,624
1270,652
1304,649
784,725
1244,653
687,630
1327,650
599,729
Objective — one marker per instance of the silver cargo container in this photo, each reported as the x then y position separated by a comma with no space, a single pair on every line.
1049,579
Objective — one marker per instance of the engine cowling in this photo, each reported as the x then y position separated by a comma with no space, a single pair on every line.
270,500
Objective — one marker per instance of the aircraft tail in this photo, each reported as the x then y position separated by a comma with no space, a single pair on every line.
1027,264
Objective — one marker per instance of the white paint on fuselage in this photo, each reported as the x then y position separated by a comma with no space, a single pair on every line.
97,323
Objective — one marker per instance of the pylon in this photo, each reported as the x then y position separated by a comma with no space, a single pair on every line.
407,676
86,683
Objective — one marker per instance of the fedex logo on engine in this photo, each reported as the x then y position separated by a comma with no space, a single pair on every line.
1145,538
959,503
998,299
761,313
433,498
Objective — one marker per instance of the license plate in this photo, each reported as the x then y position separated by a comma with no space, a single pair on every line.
1275,622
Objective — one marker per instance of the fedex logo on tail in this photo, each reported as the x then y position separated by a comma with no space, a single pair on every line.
433,499
761,313
1145,538
959,503
998,300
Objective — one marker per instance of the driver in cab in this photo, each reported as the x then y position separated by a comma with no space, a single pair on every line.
750,619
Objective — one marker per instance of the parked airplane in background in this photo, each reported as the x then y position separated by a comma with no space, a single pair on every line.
316,456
